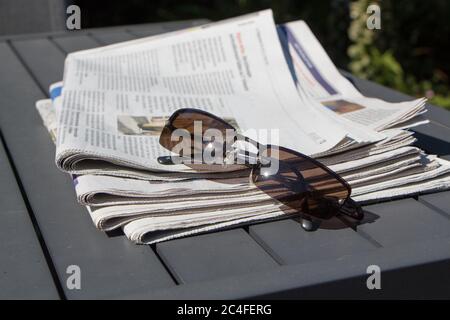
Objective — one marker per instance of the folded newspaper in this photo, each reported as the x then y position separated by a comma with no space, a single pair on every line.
106,116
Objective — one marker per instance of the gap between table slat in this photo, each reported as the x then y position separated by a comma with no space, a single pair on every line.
26,270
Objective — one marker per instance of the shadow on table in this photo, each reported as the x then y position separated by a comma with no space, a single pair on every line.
432,144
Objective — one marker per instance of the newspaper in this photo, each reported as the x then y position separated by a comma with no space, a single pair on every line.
318,77
106,116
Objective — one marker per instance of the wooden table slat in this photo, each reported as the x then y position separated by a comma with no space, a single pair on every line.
214,256
43,58
75,43
426,262
106,38
290,244
405,221
24,273
439,201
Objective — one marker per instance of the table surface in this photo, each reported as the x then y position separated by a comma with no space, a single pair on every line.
43,230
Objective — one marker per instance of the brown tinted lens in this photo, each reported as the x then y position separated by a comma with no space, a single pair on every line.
187,119
165,138
302,183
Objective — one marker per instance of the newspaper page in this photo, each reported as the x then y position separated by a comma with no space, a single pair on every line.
114,102
318,77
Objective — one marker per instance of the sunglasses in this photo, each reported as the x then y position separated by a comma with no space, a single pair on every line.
300,183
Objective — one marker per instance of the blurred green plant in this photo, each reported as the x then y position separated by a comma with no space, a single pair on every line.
372,53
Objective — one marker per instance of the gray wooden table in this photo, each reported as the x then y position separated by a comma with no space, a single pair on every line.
43,230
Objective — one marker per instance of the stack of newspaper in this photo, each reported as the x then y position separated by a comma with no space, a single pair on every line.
107,114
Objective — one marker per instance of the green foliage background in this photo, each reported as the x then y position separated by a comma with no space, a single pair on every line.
410,52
